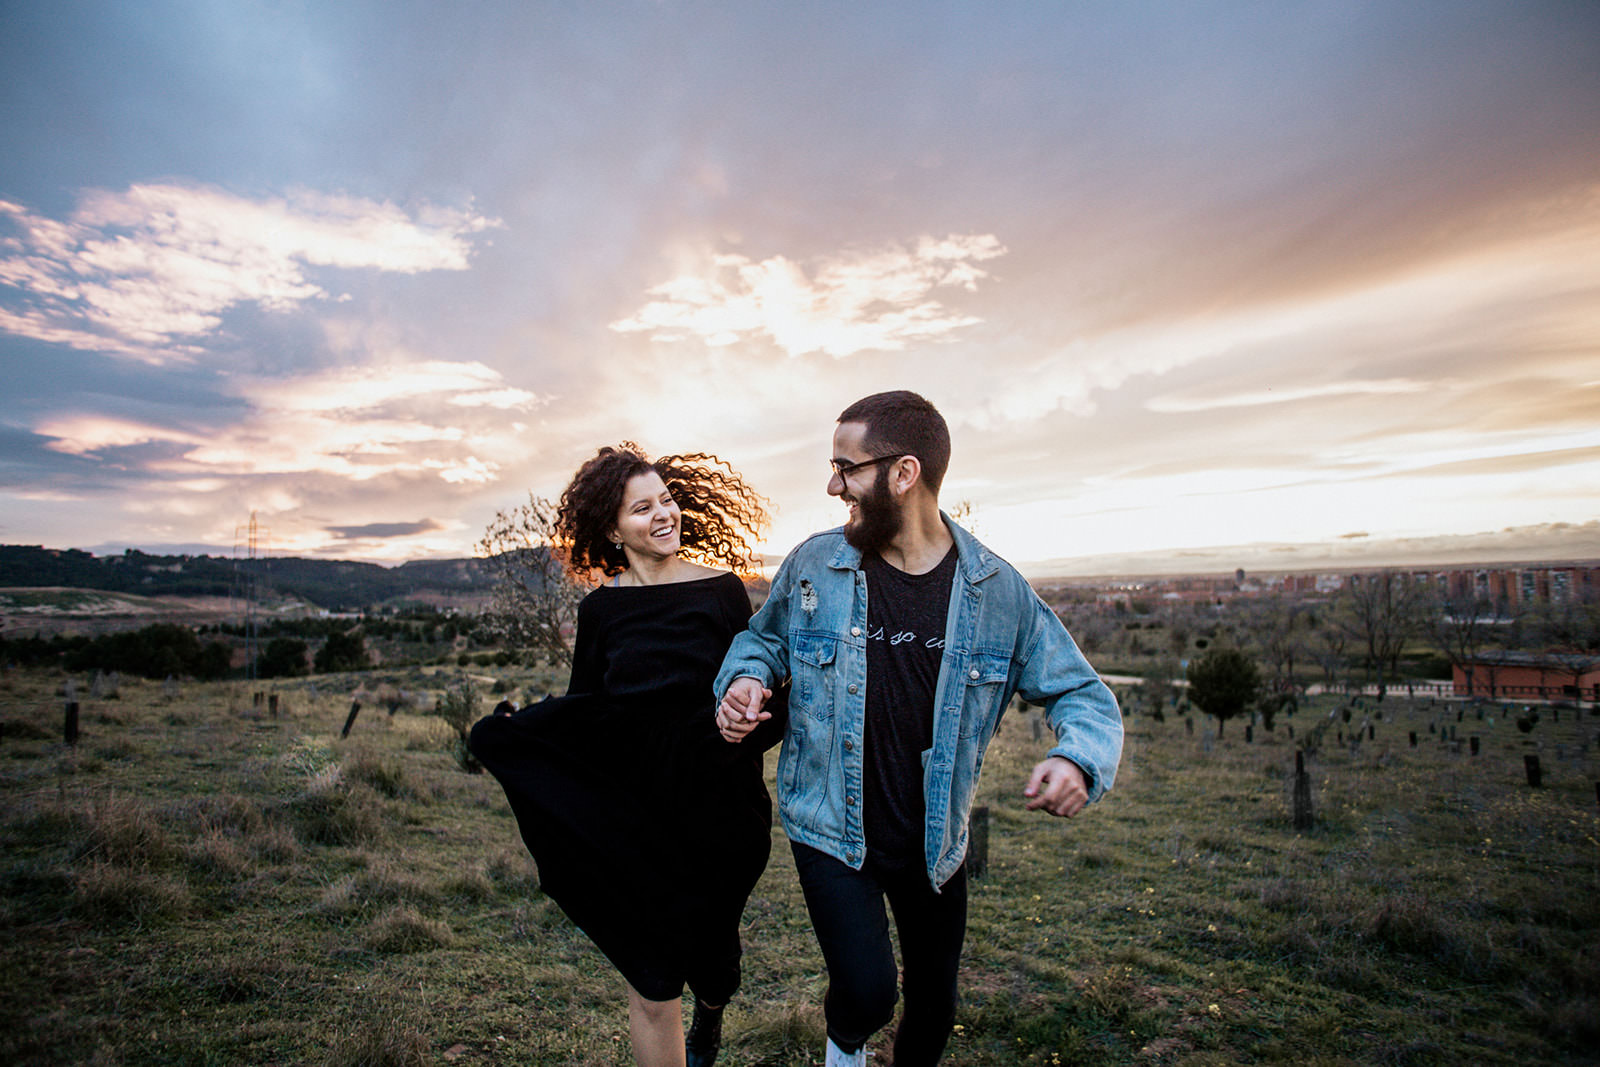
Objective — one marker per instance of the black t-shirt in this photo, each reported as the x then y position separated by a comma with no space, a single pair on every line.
657,649
905,642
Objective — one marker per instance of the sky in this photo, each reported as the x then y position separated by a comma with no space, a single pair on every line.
1177,274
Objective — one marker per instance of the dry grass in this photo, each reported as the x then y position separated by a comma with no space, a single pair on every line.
250,889
404,929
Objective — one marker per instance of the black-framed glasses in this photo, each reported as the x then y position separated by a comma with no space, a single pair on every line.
841,468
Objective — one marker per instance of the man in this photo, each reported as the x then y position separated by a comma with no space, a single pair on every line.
903,640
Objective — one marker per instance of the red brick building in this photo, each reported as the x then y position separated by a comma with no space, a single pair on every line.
1531,676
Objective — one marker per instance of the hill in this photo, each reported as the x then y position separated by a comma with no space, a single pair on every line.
335,585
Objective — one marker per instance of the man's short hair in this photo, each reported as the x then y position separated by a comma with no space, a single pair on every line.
901,423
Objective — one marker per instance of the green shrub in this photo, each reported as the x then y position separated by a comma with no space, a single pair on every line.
342,651
284,657
458,707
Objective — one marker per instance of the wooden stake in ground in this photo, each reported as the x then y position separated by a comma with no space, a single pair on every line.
1302,793
69,729
355,706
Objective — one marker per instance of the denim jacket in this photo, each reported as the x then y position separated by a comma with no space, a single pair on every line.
1000,639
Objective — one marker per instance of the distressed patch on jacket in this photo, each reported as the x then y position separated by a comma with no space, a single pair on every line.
808,596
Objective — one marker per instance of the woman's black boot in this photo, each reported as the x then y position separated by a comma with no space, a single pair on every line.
704,1039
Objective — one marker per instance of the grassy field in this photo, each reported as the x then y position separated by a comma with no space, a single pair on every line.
200,882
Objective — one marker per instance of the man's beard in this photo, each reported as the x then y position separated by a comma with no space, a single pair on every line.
878,520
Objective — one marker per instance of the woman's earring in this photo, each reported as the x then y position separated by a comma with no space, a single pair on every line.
617,543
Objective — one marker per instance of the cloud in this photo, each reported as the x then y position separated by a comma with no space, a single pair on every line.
94,435
852,302
1173,404
433,418
145,272
1512,463
384,530
1404,332
370,388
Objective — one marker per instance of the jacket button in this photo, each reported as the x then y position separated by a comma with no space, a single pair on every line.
849,746
850,801
855,631
973,674
853,687
850,858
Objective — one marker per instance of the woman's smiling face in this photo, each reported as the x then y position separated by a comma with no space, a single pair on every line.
649,523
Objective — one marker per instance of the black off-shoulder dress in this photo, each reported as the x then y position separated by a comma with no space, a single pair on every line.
649,830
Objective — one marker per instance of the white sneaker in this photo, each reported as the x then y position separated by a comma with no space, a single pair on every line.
837,1057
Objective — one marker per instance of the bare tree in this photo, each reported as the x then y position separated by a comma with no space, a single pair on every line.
1331,639
1460,631
1383,609
1160,683
1570,641
1280,628
536,599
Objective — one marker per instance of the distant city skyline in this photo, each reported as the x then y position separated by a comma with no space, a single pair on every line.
1526,547
1185,279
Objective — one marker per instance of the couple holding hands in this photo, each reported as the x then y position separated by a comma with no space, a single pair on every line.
882,660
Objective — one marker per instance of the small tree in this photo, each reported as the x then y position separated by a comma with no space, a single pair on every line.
1223,683
343,651
285,657
458,707
535,602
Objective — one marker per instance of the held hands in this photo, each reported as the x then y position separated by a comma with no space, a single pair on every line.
1058,787
740,709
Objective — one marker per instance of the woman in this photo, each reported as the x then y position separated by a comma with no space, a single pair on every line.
648,829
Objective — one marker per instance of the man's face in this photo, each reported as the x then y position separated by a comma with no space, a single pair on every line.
875,517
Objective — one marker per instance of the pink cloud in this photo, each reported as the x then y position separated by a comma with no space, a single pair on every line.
851,302
142,272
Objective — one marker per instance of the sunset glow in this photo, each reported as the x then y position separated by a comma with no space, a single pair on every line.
1179,276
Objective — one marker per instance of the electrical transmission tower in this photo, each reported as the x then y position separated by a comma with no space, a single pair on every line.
247,582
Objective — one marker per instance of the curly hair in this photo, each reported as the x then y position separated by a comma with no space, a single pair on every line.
722,515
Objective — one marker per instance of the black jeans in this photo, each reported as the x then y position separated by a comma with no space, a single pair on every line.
852,928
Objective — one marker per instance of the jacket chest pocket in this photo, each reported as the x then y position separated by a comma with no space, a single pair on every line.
983,683
811,669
